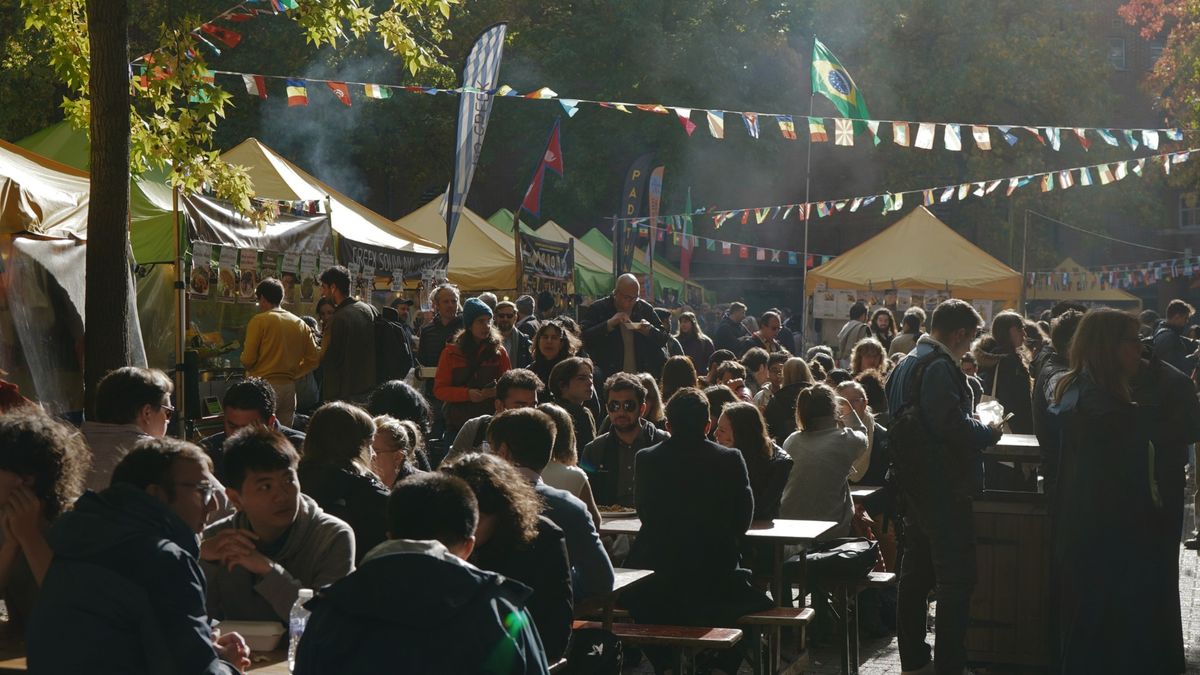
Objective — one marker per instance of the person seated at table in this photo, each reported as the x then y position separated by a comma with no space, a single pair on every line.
279,540
609,458
526,438
250,401
399,399
42,465
513,540
742,428
132,404
781,410
335,470
124,593
695,502
830,440
718,397
518,388
570,386
393,446
456,617
717,358
563,471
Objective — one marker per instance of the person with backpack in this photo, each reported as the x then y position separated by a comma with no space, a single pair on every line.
936,448
393,343
854,330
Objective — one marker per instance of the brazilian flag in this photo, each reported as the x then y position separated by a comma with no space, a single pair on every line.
833,82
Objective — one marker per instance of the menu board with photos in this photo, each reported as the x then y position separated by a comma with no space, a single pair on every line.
204,272
227,274
824,304
248,266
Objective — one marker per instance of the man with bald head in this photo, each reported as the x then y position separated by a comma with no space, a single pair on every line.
623,334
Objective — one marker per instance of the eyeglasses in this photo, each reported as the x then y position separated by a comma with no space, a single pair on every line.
627,406
168,407
207,490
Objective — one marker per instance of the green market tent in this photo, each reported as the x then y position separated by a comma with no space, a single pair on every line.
666,276
593,270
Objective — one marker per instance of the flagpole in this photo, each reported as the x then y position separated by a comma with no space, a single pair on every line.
807,214
516,223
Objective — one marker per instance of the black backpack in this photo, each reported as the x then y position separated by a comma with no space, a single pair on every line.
908,438
393,353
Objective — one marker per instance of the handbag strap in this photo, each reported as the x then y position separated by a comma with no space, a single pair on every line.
995,379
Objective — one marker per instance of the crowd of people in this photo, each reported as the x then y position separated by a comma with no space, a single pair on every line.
451,523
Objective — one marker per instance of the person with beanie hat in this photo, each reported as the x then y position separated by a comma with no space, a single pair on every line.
469,367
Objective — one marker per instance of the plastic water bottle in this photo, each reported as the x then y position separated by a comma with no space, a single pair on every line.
296,623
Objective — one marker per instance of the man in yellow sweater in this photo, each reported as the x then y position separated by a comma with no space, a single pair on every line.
279,348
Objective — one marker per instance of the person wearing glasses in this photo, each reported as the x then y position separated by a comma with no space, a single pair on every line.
131,404
609,458
125,584
623,334
514,341
279,540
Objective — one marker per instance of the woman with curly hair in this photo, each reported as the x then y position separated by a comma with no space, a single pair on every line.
551,344
42,467
335,470
868,354
514,540
400,400
469,367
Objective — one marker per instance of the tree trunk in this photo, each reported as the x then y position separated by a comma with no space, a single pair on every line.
109,283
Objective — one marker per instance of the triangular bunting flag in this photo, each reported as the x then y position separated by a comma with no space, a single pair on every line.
962,191
685,118
947,194
1121,172
1054,135
1012,186
716,123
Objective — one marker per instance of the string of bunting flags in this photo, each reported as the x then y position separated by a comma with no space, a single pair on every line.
1083,176
1132,275
674,230
210,32
904,133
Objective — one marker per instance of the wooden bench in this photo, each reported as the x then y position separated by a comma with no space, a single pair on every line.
772,622
558,666
690,640
843,594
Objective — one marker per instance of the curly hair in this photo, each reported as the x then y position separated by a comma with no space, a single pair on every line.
502,492
33,444
863,347
570,343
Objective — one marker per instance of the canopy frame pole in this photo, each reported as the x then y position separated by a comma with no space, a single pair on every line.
1024,251
181,383
808,315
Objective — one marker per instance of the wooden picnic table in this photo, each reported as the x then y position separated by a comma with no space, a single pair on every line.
779,533
1022,448
863,492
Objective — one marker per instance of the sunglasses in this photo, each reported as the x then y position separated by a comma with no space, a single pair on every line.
627,406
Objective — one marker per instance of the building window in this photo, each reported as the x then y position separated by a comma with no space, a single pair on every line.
1189,211
1116,53
1154,52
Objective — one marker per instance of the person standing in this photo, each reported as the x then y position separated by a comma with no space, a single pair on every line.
696,345
432,339
765,337
1004,369
470,367
936,445
348,343
731,330
854,330
279,348
515,342
622,333
910,325
1170,344
527,323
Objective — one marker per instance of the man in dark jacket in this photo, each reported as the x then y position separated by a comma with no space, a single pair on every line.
1170,345
348,343
939,471
609,459
730,330
246,403
125,593
623,334
416,606
515,342
695,502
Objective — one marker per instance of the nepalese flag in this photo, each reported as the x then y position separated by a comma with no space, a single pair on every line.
341,91
716,123
551,159
816,130
376,91
787,127
900,133
751,122
255,85
843,132
297,91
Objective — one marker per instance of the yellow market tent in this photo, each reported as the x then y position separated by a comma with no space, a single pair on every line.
276,178
920,252
1093,293
481,256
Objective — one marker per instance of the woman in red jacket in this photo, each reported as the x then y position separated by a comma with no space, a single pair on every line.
469,367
